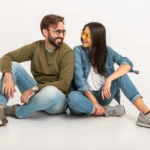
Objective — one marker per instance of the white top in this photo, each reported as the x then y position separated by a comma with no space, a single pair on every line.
95,80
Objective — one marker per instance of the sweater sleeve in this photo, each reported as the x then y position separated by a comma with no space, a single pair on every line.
22,54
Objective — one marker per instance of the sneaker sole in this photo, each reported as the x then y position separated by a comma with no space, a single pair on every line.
143,125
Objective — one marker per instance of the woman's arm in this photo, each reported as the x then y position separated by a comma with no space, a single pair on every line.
122,70
91,97
118,59
79,77
125,65
81,82
99,110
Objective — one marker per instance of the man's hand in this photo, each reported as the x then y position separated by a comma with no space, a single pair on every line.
8,87
99,110
26,95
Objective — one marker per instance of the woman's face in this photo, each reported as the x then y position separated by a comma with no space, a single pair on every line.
86,38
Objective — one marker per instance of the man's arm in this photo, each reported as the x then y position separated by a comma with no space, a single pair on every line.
22,54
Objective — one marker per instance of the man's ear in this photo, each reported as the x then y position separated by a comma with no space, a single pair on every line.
45,32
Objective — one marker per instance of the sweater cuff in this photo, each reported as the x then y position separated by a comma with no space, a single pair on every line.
41,86
5,70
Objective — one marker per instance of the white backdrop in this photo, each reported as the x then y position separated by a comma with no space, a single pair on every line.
127,24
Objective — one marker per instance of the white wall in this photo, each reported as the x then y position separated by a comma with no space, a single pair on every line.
127,23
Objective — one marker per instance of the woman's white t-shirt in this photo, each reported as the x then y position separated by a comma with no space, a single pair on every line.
95,80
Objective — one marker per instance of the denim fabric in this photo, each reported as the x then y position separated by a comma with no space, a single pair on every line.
49,98
79,104
82,67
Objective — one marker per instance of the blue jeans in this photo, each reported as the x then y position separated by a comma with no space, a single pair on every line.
79,104
49,99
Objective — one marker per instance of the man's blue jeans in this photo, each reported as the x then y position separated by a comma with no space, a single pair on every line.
48,99
79,104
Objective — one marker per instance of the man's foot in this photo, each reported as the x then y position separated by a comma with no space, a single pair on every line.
11,110
3,119
117,111
143,120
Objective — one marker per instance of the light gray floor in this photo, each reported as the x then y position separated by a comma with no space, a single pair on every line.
65,132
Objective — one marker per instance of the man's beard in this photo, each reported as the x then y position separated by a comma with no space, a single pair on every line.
52,41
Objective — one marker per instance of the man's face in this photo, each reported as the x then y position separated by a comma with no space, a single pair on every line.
56,34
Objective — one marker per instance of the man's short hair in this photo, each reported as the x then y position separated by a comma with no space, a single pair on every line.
50,20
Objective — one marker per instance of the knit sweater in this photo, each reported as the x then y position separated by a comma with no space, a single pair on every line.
48,68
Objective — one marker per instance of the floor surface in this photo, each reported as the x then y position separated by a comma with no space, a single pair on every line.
65,132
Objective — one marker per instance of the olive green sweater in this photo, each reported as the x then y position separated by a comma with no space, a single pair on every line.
48,68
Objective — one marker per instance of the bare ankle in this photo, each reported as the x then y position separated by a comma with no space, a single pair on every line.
146,111
140,105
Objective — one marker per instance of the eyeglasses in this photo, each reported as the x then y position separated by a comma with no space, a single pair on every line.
86,36
59,31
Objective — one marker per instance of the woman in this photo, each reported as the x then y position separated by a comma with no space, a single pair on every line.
96,82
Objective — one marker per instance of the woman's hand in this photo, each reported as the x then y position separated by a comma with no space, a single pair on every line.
106,89
99,110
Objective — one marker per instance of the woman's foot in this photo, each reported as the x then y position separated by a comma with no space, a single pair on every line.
117,111
144,120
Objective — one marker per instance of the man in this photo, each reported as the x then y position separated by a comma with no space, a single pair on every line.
52,66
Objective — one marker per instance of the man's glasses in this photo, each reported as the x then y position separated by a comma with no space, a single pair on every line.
85,36
59,31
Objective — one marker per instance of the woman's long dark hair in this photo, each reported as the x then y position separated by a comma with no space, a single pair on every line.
98,51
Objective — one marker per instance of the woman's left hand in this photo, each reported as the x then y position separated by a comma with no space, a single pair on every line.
106,89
